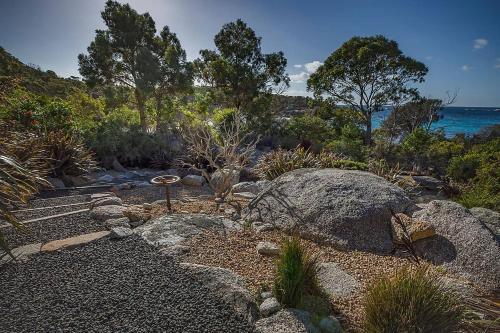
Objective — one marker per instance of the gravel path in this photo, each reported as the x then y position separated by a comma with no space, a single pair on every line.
109,286
57,201
33,214
58,228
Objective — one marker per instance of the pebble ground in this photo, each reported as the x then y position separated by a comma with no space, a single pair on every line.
109,286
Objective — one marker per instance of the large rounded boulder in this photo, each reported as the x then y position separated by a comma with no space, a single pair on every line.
346,208
464,244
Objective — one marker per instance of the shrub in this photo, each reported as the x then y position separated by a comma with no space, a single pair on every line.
412,301
67,155
280,161
22,164
296,274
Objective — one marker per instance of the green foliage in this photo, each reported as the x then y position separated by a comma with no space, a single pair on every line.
238,68
296,274
280,161
34,80
22,165
67,155
307,127
412,301
347,76
479,170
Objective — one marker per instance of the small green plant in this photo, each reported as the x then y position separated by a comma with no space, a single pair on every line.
296,274
412,301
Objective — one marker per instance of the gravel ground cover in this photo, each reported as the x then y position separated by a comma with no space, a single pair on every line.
57,201
52,229
109,286
152,193
237,252
33,214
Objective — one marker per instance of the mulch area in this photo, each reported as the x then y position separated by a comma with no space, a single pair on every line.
237,252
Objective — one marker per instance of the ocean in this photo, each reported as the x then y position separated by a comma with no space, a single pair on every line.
455,120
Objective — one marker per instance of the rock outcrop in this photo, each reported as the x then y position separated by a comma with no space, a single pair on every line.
463,244
229,286
287,321
416,229
173,229
345,208
489,217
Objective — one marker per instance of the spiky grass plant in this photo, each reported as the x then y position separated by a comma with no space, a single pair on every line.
22,165
296,274
67,155
275,163
412,301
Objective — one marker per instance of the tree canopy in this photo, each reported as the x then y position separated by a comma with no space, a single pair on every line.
239,68
366,73
129,53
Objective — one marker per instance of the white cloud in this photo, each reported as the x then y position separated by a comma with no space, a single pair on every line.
497,64
312,67
466,68
480,43
299,78
297,66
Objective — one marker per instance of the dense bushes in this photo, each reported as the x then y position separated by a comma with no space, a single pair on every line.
296,274
412,301
479,172
280,161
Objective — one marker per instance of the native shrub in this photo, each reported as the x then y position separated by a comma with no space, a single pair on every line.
412,301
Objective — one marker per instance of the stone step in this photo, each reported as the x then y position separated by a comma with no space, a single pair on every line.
73,241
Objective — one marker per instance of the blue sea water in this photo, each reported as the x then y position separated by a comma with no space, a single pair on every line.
455,120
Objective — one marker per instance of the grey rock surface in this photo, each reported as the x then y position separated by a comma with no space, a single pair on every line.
266,294
335,282
269,306
489,217
267,249
193,180
229,286
287,321
463,244
122,222
120,232
103,213
251,187
223,180
348,209
173,229
330,324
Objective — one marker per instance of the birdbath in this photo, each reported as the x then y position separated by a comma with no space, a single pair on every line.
165,181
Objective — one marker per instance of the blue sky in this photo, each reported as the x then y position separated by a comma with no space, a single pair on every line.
458,40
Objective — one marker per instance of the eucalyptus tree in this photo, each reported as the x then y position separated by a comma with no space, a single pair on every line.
366,73
175,73
123,54
238,67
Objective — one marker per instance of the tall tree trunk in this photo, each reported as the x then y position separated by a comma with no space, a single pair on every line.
368,133
141,105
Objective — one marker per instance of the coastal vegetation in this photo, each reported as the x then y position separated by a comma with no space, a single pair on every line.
223,118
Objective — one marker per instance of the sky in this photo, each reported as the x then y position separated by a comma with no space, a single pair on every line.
459,40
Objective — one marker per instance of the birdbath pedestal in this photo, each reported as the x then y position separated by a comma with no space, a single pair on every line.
165,181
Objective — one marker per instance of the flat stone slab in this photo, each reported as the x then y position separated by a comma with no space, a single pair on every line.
73,241
335,282
21,253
